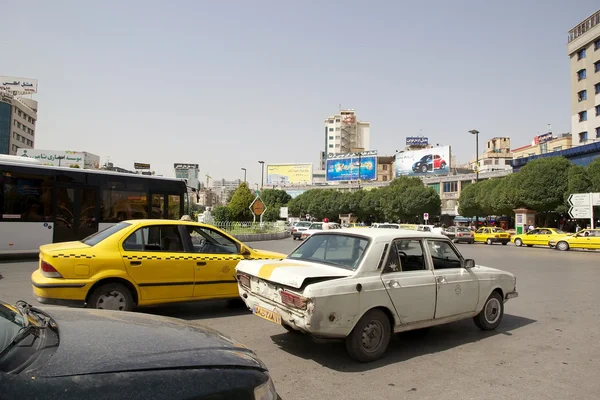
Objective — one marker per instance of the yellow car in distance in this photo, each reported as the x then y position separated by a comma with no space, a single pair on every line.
538,237
140,263
491,235
584,239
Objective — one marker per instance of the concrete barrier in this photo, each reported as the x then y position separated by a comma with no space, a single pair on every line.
260,237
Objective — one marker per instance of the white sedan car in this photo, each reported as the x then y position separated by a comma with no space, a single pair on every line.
318,227
365,284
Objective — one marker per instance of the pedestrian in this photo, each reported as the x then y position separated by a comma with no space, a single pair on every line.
531,227
187,218
577,228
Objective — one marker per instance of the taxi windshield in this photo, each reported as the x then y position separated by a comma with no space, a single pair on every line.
338,250
11,322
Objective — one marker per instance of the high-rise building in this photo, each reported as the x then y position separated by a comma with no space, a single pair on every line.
344,133
584,51
17,123
189,173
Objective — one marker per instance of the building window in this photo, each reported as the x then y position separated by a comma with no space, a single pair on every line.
19,112
597,111
557,148
496,161
330,129
597,88
583,136
384,167
597,66
337,137
330,137
385,177
337,128
597,132
597,44
337,120
330,121
331,146
337,145
582,95
581,54
581,74
450,187
583,116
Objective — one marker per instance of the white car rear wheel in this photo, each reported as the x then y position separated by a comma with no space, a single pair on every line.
370,338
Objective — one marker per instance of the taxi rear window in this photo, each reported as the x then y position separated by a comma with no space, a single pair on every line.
97,237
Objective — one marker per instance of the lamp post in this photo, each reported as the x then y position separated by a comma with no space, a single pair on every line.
262,174
476,133
244,169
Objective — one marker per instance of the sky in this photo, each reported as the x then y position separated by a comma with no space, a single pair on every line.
225,84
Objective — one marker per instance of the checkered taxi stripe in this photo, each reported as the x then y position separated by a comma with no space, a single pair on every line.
73,256
194,258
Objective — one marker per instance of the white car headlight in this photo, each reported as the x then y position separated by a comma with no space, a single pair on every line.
266,391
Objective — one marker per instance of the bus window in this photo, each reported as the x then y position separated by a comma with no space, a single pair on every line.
158,206
121,205
27,198
174,206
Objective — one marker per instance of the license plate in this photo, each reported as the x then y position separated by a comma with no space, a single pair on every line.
266,314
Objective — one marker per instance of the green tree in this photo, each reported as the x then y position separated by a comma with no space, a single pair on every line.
467,201
484,196
543,183
222,214
240,203
275,196
578,181
504,198
594,173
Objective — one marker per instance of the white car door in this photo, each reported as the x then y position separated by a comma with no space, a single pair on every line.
409,282
457,287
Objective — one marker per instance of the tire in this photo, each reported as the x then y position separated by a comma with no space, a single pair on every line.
491,315
423,168
504,243
443,165
562,246
529,245
363,348
518,242
489,241
111,296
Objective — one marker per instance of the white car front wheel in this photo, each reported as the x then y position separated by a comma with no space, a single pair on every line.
491,314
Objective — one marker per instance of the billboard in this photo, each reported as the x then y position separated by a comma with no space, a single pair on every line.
434,161
18,86
185,166
546,137
59,158
289,174
417,141
352,167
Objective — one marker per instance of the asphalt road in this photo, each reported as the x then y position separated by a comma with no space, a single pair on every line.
547,347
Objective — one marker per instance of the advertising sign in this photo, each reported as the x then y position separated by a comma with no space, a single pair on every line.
71,159
138,165
185,166
546,137
434,161
352,167
289,174
18,86
417,141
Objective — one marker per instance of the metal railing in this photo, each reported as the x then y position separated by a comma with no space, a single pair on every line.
246,228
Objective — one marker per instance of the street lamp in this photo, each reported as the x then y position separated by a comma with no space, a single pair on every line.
256,186
262,174
476,133
244,169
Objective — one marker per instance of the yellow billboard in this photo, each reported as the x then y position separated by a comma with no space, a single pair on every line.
289,174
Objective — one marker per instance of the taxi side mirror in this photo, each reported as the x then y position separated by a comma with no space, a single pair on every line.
245,251
469,263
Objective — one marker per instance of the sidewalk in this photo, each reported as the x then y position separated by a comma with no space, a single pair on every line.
19,255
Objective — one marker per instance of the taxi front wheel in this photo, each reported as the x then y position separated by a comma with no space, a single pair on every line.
111,296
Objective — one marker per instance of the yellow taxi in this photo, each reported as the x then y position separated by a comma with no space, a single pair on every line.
584,239
140,263
491,235
538,237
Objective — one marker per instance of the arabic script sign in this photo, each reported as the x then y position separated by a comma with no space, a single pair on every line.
185,166
58,158
18,86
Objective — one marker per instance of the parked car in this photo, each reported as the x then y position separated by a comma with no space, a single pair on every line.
299,228
460,234
388,226
429,163
492,235
66,354
584,239
364,285
142,262
538,237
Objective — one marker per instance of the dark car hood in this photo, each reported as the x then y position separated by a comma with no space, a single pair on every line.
98,341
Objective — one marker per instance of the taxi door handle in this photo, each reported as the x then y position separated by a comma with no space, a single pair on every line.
441,279
200,263
135,262
393,284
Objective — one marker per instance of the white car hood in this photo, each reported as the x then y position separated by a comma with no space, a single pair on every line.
290,272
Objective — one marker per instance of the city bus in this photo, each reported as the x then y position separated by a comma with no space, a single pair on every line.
46,204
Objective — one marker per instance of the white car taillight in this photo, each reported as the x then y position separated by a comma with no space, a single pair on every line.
244,280
293,300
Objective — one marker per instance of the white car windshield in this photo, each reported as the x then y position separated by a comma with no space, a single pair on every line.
343,251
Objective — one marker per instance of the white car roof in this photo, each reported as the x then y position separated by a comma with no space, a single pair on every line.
382,234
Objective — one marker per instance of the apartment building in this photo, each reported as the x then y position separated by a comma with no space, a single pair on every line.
344,133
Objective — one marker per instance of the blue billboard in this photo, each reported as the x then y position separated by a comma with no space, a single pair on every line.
417,141
347,169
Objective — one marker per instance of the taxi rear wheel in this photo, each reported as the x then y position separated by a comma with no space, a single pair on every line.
111,296
518,242
370,338
489,241
562,246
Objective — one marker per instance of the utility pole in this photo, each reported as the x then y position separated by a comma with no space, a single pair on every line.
262,174
244,169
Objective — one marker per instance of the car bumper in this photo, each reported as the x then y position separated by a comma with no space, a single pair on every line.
511,295
464,239
60,302
499,240
55,291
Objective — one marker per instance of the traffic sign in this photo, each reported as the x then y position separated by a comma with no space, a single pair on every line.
426,216
583,212
580,199
257,207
